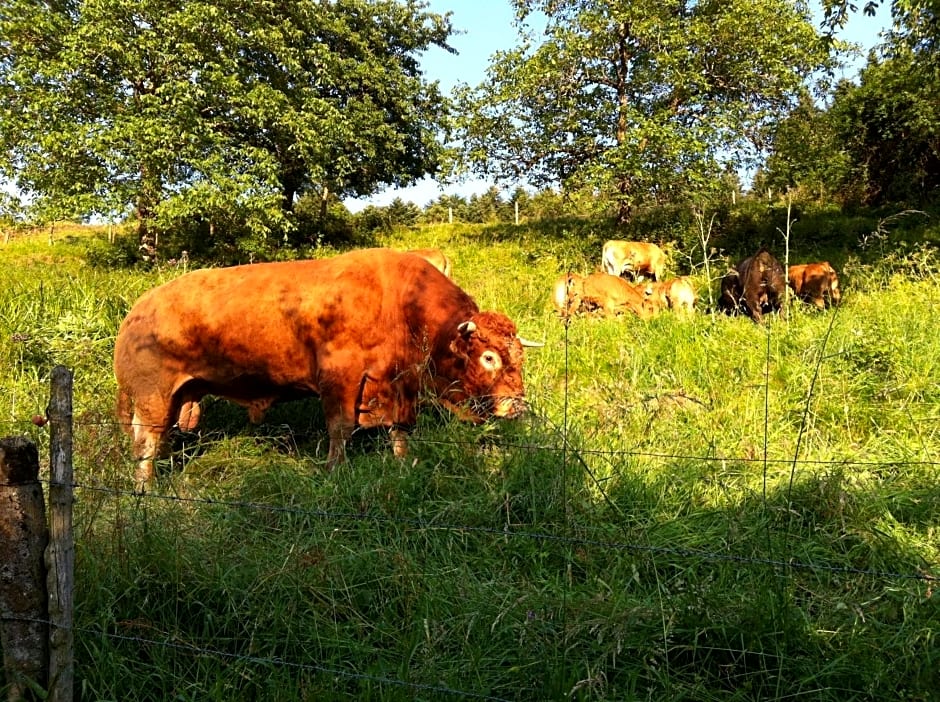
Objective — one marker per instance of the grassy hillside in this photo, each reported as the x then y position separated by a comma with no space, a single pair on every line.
694,509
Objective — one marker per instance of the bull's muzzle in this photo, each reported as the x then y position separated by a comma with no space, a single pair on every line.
508,407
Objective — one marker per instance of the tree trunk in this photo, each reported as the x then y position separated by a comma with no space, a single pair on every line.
624,207
324,201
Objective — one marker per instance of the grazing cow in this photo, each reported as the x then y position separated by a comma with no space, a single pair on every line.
763,282
815,283
634,258
676,294
436,258
600,292
366,331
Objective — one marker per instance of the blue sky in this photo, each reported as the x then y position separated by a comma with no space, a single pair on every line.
487,26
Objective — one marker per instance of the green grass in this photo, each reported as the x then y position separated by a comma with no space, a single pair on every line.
695,509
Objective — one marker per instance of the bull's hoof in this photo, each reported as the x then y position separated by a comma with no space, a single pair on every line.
143,477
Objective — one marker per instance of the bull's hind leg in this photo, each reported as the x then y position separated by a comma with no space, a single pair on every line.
149,426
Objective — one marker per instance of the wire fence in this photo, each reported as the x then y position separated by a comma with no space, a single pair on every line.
570,536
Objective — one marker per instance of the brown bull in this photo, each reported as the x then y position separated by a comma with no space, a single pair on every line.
634,258
762,284
600,292
815,283
366,331
676,293
436,258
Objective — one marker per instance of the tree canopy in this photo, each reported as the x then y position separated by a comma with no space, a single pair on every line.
639,100
223,110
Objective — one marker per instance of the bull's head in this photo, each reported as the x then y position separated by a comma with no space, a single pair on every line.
490,353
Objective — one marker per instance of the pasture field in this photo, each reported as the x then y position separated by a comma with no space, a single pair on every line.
694,509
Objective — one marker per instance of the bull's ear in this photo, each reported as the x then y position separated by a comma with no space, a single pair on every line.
461,342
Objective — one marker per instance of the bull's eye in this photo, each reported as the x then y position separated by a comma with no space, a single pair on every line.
491,361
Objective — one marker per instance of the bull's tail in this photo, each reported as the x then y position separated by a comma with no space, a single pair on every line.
125,410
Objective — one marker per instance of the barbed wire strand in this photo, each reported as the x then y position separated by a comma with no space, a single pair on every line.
504,532
567,538
260,660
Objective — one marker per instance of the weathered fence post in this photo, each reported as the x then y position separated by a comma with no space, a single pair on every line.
60,555
23,601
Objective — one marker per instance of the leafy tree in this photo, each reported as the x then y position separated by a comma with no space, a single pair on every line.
807,154
444,209
220,110
402,213
915,24
888,125
487,207
638,100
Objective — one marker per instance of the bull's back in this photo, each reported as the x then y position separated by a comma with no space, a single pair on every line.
222,323
282,321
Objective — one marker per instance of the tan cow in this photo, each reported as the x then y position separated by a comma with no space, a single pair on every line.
600,292
634,258
436,258
815,283
676,294
366,331
566,294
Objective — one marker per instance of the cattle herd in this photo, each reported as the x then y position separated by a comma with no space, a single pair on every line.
631,282
372,332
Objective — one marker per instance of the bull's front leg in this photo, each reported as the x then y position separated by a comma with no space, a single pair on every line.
339,406
339,433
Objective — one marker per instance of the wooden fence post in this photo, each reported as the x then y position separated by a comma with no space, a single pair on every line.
23,603
60,555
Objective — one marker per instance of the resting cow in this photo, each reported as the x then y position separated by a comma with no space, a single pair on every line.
763,284
566,294
600,292
815,283
634,258
676,294
366,331
436,258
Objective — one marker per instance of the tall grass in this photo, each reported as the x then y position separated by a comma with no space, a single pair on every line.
695,508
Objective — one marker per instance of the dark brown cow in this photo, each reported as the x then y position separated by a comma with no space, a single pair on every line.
729,298
600,292
366,331
815,283
763,284
634,258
